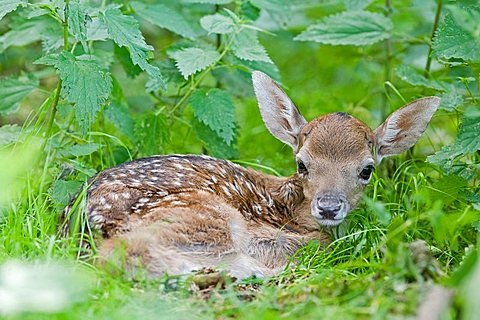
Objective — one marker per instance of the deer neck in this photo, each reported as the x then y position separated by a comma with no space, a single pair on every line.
278,201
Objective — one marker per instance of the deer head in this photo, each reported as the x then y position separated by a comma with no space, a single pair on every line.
336,153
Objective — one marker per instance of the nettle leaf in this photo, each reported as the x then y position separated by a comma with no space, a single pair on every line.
448,188
217,23
451,99
77,22
216,146
349,28
192,60
7,6
83,82
125,32
215,109
79,150
14,89
468,137
411,76
247,47
123,56
151,132
62,190
23,32
452,41
166,17
357,4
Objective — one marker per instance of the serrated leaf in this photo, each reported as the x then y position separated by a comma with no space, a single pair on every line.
125,32
192,60
353,5
247,47
452,41
151,132
349,28
448,188
123,56
166,17
14,89
84,83
77,22
62,190
7,6
451,99
217,23
215,109
468,137
411,76
23,32
79,150
216,146
445,157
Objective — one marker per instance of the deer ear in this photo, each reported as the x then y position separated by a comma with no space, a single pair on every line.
403,127
279,114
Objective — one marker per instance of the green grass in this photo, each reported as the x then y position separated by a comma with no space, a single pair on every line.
367,272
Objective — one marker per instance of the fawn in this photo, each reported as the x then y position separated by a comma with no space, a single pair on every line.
177,213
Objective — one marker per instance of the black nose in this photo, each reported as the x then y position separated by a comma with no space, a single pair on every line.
329,205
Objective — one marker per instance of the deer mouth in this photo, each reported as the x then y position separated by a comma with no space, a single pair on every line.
330,210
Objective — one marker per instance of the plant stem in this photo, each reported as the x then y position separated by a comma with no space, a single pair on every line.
202,76
434,29
387,74
59,85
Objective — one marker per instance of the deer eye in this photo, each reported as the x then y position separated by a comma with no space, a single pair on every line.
302,169
366,172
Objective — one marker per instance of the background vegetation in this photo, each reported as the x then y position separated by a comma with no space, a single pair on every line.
86,85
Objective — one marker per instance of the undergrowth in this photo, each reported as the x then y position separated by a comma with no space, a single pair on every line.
86,85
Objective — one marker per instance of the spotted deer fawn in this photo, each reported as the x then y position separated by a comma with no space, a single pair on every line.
177,213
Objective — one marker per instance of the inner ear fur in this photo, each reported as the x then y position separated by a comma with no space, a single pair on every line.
279,113
403,127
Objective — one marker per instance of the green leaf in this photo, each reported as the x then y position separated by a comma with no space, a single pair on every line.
166,17
349,28
452,41
217,23
84,83
215,109
151,132
216,146
123,56
14,89
353,5
62,190
247,47
79,150
23,32
7,6
451,99
125,32
411,76
468,137
117,112
77,16
448,188
192,60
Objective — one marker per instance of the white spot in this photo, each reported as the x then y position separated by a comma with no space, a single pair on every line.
126,195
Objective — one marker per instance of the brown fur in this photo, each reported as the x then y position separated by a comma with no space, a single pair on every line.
177,213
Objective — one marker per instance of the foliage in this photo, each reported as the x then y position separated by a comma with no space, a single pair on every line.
88,84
